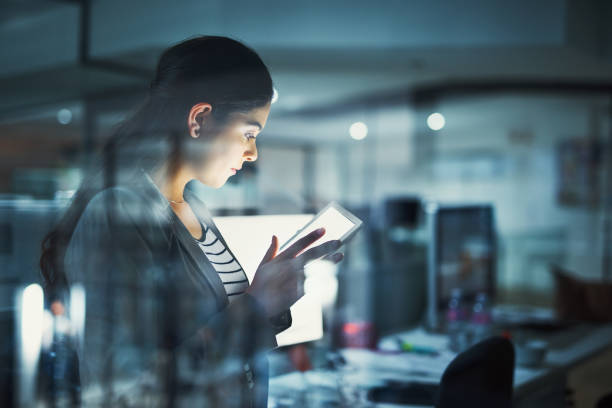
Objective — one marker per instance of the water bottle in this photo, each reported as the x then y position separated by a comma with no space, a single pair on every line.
481,318
456,321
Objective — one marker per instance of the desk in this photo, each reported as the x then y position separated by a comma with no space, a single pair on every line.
533,387
530,385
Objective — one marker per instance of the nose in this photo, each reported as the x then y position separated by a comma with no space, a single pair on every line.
251,153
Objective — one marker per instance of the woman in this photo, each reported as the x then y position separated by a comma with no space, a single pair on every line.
170,316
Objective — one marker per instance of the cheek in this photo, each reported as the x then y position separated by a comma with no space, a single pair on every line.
225,155
230,150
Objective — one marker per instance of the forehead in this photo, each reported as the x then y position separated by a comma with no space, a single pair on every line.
255,117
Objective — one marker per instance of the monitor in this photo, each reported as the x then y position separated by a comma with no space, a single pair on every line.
461,254
249,238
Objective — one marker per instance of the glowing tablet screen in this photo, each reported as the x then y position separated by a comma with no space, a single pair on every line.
337,221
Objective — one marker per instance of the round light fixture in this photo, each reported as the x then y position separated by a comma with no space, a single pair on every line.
64,116
358,130
436,121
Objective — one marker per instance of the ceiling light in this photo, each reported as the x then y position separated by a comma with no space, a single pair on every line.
64,116
358,130
436,121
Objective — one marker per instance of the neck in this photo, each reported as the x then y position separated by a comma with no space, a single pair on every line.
172,183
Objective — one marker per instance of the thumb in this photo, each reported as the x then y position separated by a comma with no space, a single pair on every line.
271,253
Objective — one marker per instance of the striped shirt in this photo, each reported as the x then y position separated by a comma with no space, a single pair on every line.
231,273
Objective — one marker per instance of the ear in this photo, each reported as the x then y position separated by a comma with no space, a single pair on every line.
197,116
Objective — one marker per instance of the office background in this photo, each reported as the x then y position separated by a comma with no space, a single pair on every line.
524,89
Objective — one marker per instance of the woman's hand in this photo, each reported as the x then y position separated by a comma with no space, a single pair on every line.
279,280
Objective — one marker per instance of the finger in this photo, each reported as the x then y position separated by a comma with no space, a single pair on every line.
302,243
271,253
338,257
300,287
319,251
335,258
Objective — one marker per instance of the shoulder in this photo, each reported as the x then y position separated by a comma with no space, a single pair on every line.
122,217
123,214
123,205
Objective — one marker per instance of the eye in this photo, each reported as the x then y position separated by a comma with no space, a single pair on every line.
249,136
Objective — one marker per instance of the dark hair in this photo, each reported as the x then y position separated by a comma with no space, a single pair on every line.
217,70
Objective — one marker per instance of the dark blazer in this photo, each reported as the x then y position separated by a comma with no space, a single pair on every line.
159,329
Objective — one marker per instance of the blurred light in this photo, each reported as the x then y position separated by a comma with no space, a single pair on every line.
307,312
31,312
321,281
358,335
64,194
436,121
274,95
358,130
77,309
31,321
247,248
64,116
431,207
351,328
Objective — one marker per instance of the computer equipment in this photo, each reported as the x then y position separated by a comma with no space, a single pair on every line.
461,255
397,253
307,314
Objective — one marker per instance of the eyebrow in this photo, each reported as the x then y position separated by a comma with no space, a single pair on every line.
254,123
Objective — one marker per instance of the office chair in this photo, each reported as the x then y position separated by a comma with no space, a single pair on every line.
605,401
481,376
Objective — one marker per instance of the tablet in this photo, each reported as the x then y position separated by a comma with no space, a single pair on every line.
338,222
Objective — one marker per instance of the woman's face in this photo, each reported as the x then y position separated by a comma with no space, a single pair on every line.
234,144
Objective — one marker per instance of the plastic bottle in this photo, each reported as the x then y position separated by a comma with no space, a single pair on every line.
456,321
481,318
